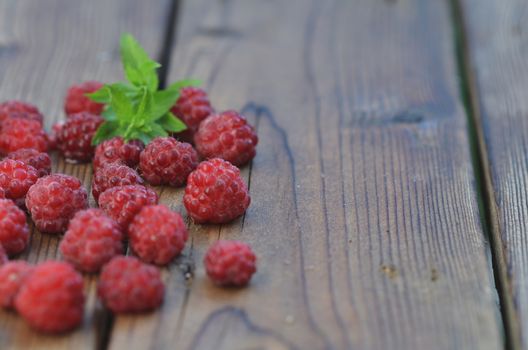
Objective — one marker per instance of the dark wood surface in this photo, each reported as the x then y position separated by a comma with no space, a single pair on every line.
497,38
364,214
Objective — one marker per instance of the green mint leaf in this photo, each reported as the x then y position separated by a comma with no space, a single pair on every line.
171,123
121,104
139,69
157,130
100,96
145,105
109,114
106,131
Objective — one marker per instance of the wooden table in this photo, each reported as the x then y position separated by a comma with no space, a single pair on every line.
389,204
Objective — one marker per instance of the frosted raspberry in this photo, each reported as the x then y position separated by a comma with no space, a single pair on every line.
76,100
14,230
38,160
157,234
128,285
74,138
230,263
16,178
117,150
19,133
19,109
12,275
113,175
166,161
192,107
92,239
51,298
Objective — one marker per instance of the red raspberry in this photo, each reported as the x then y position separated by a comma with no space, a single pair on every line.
128,285
51,299
228,136
92,239
74,139
19,109
16,178
166,161
3,255
122,203
39,160
116,150
76,100
230,263
14,230
215,193
12,275
113,175
53,200
22,133
157,234
192,107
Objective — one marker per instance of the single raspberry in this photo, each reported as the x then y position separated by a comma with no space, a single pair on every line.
166,161
51,299
19,109
3,255
113,175
228,136
92,239
53,200
39,160
128,285
122,203
117,150
19,133
216,193
74,139
12,275
157,234
192,107
16,178
76,100
14,230
230,263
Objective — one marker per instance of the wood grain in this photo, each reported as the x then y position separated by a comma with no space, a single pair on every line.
45,46
364,214
497,37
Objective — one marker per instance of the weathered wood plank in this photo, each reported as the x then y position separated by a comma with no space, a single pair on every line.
364,214
45,46
497,38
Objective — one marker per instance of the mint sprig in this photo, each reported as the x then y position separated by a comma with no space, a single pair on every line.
136,109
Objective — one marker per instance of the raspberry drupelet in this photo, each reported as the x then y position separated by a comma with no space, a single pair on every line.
51,298
117,150
166,161
192,107
76,100
14,230
53,200
16,178
157,234
216,193
122,203
113,175
39,160
19,133
127,285
230,263
19,109
228,136
74,139
12,275
92,239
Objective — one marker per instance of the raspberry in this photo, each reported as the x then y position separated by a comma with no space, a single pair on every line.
3,255
157,234
215,193
51,298
228,136
116,150
113,175
2,193
38,160
16,178
192,107
19,109
74,138
230,263
12,275
166,161
22,133
53,200
76,100
122,203
14,230
92,239
128,285
55,130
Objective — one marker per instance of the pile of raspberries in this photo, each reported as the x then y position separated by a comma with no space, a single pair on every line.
204,158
